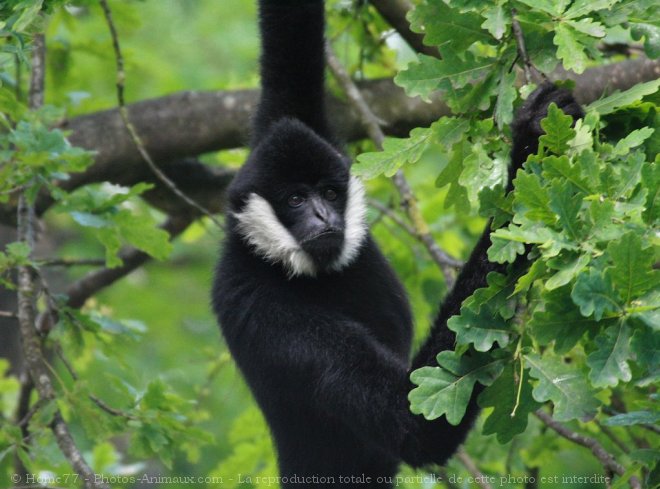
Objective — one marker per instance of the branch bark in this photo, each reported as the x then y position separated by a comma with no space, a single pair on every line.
193,123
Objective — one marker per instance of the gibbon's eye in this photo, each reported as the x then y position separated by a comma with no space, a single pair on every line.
296,200
330,194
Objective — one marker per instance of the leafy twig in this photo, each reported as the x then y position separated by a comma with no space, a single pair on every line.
99,402
612,436
437,254
123,111
90,284
528,67
27,289
408,200
604,457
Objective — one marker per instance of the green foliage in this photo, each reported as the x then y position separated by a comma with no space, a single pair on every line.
585,315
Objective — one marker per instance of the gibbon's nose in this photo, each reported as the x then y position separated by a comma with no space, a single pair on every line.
321,211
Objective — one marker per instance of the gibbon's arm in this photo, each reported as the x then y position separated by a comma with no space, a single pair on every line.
292,65
332,365
435,441
526,130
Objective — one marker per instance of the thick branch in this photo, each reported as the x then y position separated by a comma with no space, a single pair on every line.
193,123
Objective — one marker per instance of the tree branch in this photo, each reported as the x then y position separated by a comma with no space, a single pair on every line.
193,123
408,200
27,290
472,468
437,254
394,12
604,457
90,284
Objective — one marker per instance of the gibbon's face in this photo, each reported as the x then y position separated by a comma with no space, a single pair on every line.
296,204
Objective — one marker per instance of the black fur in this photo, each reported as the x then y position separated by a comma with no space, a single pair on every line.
327,356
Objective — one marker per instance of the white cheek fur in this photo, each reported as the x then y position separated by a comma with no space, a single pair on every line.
261,229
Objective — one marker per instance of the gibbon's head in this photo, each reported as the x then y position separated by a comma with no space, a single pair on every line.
295,203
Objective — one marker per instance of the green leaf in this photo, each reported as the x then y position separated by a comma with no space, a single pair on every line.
504,250
633,418
552,7
567,271
560,167
498,20
594,294
569,49
148,238
495,204
609,362
651,180
620,99
442,25
90,220
481,329
566,205
109,238
18,253
447,389
632,140
588,26
396,152
480,171
430,74
632,271
558,130
560,322
502,395
645,345
506,95
457,195
535,272
583,7
531,199
651,34
563,384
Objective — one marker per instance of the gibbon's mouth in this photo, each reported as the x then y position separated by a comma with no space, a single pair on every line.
326,233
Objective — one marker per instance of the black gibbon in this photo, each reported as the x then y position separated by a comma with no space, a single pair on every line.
312,312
